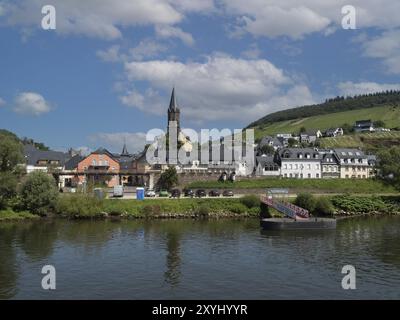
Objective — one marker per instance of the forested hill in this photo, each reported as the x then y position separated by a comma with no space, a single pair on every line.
24,140
338,104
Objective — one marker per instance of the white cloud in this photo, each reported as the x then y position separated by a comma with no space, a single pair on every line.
31,103
387,47
95,18
165,31
273,18
114,142
222,87
352,88
147,49
109,55
253,52
2,102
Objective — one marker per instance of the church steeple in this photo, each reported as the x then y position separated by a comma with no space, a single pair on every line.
173,110
172,104
125,150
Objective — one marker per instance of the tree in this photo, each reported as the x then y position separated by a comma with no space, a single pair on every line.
8,187
388,166
10,153
323,207
10,157
168,179
303,130
39,193
306,201
292,142
347,128
267,149
379,124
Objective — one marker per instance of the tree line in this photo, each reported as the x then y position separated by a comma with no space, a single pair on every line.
337,104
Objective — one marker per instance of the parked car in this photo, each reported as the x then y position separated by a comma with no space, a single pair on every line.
214,193
175,193
150,193
201,193
228,193
163,193
188,193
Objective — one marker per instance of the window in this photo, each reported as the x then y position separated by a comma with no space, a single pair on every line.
317,175
347,176
309,175
309,166
94,162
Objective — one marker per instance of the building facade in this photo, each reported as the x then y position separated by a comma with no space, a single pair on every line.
301,163
354,164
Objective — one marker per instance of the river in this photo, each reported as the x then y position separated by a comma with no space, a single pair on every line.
189,259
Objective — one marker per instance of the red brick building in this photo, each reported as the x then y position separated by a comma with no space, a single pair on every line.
101,166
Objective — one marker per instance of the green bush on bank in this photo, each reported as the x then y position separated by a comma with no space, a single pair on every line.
39,193
354,204
11,215
306,201
324,207
251,201
79,205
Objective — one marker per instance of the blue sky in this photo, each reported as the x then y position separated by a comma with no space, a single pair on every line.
105,74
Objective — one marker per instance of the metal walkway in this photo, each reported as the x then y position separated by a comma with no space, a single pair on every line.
288,209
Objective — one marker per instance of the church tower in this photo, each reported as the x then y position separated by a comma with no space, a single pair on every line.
173,111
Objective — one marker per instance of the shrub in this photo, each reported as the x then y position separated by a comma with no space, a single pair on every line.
306,201
151,210
237,207
250,201
39,193
81,205
356,204
202,210
323,207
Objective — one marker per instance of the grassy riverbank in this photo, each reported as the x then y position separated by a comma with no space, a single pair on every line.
86,207
11,215
353,186
80,206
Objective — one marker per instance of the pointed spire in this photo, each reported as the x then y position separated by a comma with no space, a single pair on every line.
172,104
125,149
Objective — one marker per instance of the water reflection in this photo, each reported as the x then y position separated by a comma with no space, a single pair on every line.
219,258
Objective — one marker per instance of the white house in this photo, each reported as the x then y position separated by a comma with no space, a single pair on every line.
302,163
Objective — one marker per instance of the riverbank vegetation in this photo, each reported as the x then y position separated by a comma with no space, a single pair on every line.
83,206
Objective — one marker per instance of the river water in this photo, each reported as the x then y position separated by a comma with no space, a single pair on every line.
188,259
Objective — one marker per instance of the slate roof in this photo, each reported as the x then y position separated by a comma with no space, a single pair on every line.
33,155
72,163
294,153
347,153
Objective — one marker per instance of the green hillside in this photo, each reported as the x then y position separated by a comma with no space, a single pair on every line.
338,104
366,141
390,115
